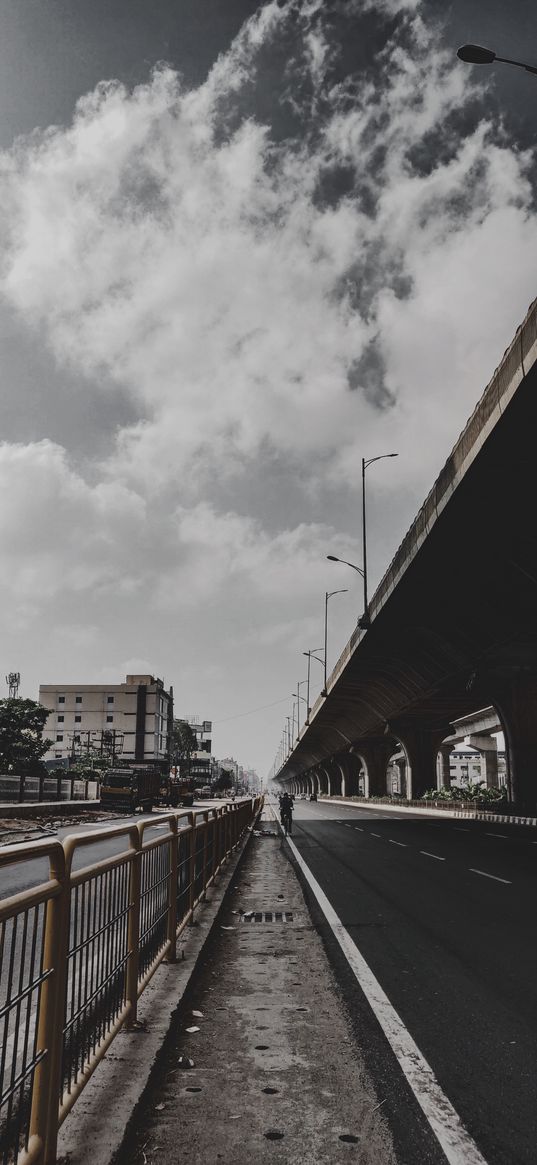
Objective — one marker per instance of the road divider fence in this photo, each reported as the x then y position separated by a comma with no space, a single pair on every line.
78,949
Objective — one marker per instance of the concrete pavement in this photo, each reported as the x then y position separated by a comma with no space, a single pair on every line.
277,1075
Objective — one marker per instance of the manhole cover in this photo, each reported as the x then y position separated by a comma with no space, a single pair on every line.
267,916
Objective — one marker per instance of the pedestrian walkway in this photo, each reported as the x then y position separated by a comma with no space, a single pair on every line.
276,1075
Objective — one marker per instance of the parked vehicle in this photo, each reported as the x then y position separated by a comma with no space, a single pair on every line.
313,796
131,789
205,791
182,792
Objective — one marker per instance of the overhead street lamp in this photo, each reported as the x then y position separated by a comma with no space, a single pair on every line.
332,558
365,621
311,655
475,54
327,596
297,697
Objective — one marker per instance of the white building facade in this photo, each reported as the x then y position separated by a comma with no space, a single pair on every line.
130,721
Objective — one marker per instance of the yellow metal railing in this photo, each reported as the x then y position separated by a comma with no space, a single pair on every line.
77,950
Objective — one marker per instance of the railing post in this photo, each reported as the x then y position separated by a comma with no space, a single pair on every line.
172,894
43,1124
205,847
133,931
192,865
21,789
48,1076
226,830
216,840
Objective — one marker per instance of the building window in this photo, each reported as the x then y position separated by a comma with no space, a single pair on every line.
61,699
58,755
78,719
61,719
109,719
78,699
59,736
109,699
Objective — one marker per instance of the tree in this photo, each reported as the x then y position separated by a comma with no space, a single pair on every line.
225,781
184,743
21,741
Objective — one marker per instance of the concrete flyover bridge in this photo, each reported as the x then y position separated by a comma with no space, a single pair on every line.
444,643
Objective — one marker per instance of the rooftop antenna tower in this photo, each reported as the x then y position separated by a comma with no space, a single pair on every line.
13,680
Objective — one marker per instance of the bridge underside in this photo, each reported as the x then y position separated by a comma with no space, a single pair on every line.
451,638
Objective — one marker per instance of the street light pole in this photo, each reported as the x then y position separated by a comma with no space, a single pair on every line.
365,621
298,699
327,596
311,655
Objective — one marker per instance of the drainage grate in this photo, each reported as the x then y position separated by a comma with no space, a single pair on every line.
267,916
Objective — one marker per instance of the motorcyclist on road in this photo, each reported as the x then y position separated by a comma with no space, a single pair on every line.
286,812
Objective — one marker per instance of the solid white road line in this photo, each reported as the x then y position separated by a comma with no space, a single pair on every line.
456,1143
435,856
493,876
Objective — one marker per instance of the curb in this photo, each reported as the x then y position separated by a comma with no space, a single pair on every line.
469,814
108,1103
31,809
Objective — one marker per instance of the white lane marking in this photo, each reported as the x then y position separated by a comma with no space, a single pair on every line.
345,823
392,842
455,1141
459,830
493,876
496,835
428,855
359,827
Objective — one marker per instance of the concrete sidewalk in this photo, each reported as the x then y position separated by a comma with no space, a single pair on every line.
277,1076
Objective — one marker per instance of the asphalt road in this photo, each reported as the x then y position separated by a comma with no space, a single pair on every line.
31,873
443,911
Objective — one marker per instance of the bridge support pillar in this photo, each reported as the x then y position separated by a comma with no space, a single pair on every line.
375,755
336,779
516,703
488,748
421,746
352,773
323,778
444,773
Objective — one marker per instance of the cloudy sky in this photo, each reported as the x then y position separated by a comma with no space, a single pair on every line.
243,245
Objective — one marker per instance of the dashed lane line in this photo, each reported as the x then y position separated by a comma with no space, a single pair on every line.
458,1146
401,843
375,835
497,835
435,856
493,876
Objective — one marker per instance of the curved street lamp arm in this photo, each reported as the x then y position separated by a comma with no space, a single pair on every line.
333,558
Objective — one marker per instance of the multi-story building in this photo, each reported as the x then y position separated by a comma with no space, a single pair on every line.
201,763
130,721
